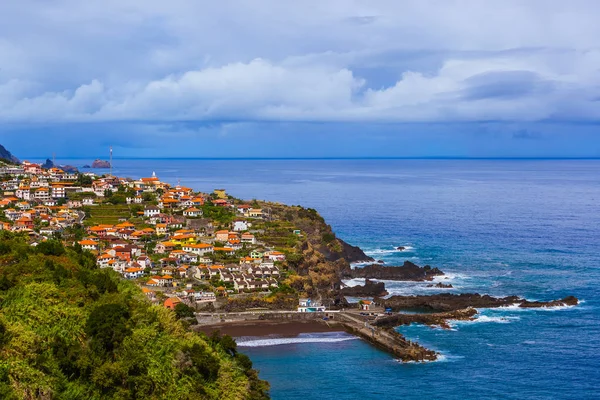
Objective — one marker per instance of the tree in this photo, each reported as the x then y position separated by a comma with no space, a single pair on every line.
84,180
107,325
51,247
184,311
148,197
117,199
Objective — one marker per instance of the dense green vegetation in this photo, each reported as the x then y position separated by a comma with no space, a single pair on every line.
71,331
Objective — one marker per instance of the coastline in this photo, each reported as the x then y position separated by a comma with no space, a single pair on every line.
238,329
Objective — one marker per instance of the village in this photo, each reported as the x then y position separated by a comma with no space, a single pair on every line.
178,245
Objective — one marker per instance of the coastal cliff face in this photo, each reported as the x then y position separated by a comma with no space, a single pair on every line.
320,259
6,155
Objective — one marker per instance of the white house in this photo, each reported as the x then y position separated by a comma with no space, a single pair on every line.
248,238
240,226
192,212
151,211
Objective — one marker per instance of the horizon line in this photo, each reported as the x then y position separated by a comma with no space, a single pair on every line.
530,158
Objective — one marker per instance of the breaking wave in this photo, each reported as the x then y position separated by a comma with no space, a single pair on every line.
293,340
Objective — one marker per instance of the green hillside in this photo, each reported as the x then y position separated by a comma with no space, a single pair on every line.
71,331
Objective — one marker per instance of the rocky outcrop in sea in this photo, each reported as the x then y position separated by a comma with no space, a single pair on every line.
100,164
451,302
407,272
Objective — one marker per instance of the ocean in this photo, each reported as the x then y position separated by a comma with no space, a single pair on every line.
501,227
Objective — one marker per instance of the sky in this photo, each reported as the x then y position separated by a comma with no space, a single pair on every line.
311,78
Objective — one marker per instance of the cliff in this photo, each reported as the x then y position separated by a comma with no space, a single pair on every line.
320,259
6,155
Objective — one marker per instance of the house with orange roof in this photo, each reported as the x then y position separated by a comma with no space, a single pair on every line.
132,272
168,203
220,202
199,249
255,213
222,235
103,260
187,238
243,208
275,255
171,302
225,250
149,293
161,229
164,247
152,282
193,212
198,201
248,238
88,244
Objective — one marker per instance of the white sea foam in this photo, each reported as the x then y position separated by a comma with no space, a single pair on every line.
484,319
443,358
294,340
354,282
392,249
515,307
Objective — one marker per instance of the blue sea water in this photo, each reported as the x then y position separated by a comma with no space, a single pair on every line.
502,227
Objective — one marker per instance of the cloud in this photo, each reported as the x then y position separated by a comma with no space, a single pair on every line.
140,61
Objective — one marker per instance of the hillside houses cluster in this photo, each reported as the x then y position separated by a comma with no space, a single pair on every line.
34,200
165,244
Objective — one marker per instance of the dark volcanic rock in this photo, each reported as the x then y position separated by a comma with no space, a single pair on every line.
439,319
369,289
69,168
406,272
401,248
100,164
5,154
86,166
353,253
48,164
567,301
450,302
441,285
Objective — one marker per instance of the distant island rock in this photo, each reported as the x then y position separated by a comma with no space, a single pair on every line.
100,164
69,168
6,155
48,164
86,166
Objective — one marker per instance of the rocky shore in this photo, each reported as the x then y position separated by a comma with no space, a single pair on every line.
369,289
452,302
406,272
437,319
